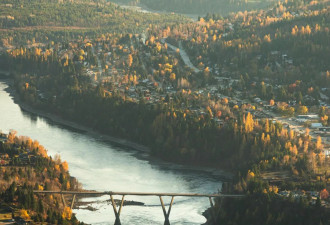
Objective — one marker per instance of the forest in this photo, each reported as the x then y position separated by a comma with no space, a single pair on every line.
136,84
198,7
31,22
25,166
270,209
171,132
266,50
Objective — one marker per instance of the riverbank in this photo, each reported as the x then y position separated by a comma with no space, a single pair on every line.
216,171
25,164
71,124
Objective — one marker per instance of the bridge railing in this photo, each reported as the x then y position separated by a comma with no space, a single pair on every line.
158,194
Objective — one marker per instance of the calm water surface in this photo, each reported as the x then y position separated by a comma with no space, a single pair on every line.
103,166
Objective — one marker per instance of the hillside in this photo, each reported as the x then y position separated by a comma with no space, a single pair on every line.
25,167
199,7
247,92
29,22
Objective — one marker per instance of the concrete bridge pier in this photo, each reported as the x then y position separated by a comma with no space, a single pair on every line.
214,213
166,214
167,222
117,213
117,221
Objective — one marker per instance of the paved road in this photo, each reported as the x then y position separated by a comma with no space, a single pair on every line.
183,55
98,61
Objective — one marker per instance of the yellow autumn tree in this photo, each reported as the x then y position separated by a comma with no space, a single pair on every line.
24,214
308,29
249,123
324,120
324,194
319,145
65,166
11,136
294,30
68,186
224,101
130,60
267,38
172,76
209,110
286,159
273,189
317,28
307,132
306,144
67,213
294,150
321,157
250,175
291,135
302,109
267,126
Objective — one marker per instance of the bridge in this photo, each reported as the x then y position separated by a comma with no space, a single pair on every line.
117,212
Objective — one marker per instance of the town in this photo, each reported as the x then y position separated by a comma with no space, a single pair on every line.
246,93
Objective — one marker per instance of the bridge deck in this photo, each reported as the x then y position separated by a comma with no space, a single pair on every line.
138,193
158,194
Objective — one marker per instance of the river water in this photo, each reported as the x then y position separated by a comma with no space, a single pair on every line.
104,166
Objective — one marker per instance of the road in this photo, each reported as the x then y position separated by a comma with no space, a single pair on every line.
99,66
183,55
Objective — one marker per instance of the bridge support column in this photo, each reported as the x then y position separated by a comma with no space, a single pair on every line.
166,214
73,199
117,213
63,200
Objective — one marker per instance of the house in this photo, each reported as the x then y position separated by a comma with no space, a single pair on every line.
3,138
308,117
284,193
316,125
219,122
326,152
324,129
257,100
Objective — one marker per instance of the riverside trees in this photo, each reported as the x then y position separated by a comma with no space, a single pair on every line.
259,46
29,168
138,87
171,125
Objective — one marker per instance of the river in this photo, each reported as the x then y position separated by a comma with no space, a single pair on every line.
104,166
144,9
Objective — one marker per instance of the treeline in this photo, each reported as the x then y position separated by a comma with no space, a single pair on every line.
24,22
269,209
80,14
